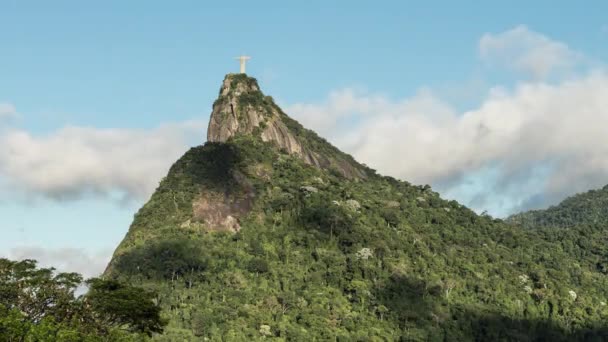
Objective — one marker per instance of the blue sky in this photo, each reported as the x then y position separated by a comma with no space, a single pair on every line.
132,82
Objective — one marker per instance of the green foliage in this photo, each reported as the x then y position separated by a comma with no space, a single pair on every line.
250,82
589,208
258,265
436,270
38,304
117,304
322,255
164,259
38,292
204,167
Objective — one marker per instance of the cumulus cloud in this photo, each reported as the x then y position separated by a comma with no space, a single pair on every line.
7,111
527,51
528,146
523,147
77,161
89,264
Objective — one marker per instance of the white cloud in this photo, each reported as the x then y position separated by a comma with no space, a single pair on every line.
7,111
523,147
555,133
528,51
89,264
341,104
77,161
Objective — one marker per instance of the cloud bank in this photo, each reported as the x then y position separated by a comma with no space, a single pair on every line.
524,147
527,51
78,161
7,111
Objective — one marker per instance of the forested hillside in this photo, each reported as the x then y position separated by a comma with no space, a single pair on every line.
589,208
248,240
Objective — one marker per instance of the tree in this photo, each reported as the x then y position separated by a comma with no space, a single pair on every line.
39,304
38,292
117,304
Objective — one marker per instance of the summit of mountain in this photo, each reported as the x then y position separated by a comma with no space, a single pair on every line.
242,109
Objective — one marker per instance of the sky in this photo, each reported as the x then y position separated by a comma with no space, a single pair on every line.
502,106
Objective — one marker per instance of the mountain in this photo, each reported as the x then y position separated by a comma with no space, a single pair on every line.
267,231
589,208
242,109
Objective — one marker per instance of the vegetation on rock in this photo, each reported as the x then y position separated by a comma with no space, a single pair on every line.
378,259
589,208
311,254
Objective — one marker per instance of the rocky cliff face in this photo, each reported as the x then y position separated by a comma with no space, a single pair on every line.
243,109
206,191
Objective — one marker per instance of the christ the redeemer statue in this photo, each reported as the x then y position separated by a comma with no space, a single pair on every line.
243,60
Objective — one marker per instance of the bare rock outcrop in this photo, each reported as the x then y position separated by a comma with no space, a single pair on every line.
243,109
222,211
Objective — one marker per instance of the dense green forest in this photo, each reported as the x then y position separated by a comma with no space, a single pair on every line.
243,241
320,257
589,208
40,304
